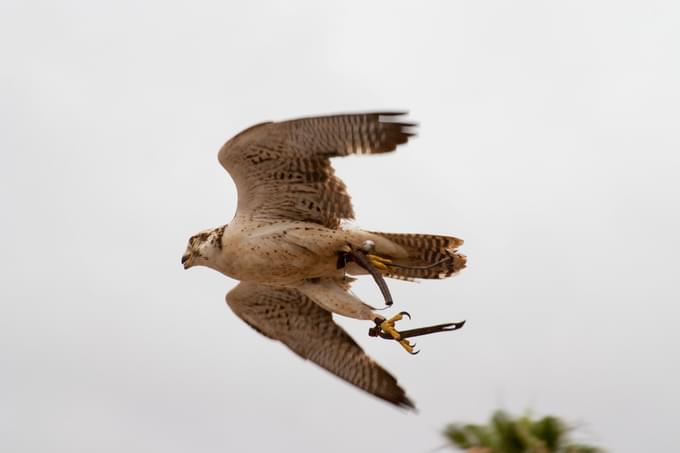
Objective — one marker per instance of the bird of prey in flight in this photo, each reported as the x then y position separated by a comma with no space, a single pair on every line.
288,246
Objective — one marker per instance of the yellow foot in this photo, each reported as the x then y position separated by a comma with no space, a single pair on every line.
379,262
388,327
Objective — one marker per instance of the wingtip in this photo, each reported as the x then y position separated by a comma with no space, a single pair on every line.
394,113
400,399
397,397
405,128
407,404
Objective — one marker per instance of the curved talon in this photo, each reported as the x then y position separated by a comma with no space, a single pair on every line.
407,346
384,328
397,317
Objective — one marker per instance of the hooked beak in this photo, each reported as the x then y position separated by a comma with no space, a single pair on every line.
186,261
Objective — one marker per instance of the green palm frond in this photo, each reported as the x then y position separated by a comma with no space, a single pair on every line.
505,434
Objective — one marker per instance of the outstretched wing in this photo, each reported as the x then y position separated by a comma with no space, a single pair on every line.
282,170
288,316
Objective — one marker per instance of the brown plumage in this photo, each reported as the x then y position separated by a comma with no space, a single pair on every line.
284,168
286,315
429,256
286,240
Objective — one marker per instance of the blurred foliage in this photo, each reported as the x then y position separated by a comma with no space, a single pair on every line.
504,434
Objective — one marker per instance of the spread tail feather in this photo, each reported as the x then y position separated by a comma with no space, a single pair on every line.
429,256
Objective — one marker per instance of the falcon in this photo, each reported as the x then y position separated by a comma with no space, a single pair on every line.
294,255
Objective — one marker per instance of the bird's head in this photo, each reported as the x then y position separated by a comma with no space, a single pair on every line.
202,247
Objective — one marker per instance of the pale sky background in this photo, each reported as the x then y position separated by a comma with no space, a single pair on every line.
549,142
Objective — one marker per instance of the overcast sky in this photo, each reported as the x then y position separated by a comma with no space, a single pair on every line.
548,141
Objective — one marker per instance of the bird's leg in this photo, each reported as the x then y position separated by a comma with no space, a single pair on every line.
374,264
385,328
